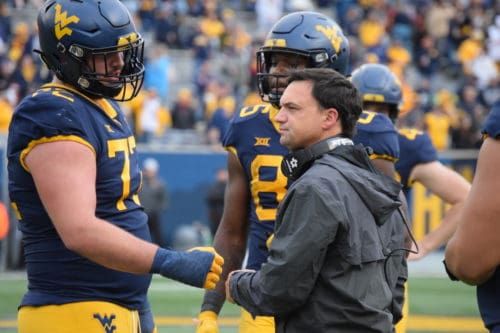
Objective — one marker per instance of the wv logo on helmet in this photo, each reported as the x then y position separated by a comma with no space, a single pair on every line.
106,322
61,22
332,34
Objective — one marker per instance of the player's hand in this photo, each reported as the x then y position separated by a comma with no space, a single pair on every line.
213,275
207,322
229,298
417,254
199,267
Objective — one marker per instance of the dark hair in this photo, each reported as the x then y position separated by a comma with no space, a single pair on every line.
332,90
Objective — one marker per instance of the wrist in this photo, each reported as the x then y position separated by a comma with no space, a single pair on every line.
207,315
213,301
159,259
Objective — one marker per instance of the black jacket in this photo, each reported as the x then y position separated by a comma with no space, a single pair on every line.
329,268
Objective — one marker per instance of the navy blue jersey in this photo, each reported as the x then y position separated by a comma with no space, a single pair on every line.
491,126
57,275
254,137
376,130
415,148
488,293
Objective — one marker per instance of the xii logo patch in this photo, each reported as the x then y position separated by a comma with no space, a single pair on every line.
106,322
262,141
61,22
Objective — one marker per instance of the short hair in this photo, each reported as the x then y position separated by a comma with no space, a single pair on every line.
332,90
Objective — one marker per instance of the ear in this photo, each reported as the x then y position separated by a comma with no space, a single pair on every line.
330,118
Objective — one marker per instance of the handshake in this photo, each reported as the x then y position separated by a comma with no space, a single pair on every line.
199,267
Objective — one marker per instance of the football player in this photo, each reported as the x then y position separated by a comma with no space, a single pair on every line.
381,92
418,162
73,181
382,95
256,183
473,253
418,159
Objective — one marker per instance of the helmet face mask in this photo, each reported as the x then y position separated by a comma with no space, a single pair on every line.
98,73
307,35
93,46
272,80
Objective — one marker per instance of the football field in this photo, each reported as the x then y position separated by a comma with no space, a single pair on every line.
436,305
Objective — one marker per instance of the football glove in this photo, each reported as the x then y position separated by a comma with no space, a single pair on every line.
199,267
207,322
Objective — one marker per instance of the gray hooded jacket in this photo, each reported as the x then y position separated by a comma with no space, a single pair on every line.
329,268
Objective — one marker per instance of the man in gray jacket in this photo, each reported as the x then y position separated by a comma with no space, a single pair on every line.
337,261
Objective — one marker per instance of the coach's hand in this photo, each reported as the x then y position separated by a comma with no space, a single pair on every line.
207,322
199,267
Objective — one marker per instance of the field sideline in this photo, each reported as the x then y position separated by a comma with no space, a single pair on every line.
436,305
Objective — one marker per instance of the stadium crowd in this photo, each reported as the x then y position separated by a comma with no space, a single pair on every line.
445,52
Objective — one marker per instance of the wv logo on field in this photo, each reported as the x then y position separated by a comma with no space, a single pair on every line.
61,22
106,322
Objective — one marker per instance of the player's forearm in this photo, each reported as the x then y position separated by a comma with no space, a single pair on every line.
213,300
439,236
112,247
473,270
233,253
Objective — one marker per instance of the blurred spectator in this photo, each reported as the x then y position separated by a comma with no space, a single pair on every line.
183,112
299,5
438,121
353,18
491,93
146,14
28,75
427,57
468,98
210,98
6,110
215,199
166,24
153,117
217,36
154,198
221,117
20,43
159,71
437,23
211,26
398,57
5,25
484,69
400,23
469,50
268,12
132,110
493,42
372,33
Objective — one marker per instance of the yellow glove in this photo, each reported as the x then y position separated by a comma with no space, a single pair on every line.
269,241
213,276
207,322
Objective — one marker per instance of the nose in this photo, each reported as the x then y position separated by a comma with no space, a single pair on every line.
279,117
281,67
115,61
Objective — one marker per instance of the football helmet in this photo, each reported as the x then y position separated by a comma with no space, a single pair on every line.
377,84
75,34
311,35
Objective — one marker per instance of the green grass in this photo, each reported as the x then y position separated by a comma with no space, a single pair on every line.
428,297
